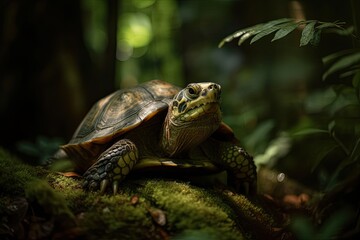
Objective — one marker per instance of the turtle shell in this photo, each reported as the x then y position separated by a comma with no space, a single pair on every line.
115,115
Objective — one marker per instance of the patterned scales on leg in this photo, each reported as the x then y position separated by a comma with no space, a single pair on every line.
241,169
112,166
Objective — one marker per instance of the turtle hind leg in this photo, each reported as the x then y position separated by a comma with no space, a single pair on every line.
112,166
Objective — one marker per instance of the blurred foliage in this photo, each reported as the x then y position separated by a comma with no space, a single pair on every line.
344,63
146,43
94,28
304,228
342,108
333,123
41,150
136,30
311,31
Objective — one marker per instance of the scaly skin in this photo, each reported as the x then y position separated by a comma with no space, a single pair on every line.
193,115
240,168
112,166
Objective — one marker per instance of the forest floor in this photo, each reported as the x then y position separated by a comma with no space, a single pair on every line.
36,203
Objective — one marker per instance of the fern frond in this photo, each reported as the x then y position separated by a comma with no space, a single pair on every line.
311,31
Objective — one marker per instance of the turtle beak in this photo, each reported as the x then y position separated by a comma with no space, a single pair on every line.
217,90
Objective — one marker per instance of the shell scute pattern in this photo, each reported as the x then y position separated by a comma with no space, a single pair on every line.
123,110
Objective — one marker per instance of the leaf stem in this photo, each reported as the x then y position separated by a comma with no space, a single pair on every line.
342,146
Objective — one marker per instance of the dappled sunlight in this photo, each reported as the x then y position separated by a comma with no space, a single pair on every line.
136,30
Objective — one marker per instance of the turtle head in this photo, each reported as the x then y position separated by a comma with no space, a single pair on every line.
193,115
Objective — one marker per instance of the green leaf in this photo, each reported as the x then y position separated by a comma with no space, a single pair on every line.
316,38
342,64
341,31
285,30
29,149
329,59
264,33
351,72
355,153
339,23
271,27
251,31
239,33
255,30
310,131
277,22
333,225
225,40
303,227
331,127
328,25
308,33
352,159
245,37
284,26
324,149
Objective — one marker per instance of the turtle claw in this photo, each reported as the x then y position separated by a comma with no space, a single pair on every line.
104,183
115,187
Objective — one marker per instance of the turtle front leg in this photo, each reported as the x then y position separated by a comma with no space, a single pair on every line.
112,166
240,167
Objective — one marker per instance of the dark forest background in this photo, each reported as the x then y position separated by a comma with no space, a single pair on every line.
57,58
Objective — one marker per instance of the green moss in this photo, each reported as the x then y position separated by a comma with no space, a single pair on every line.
190,212
186,208
51,202
251,211
118,218
105,216
71,190
14,174
252,218
191,208
204,233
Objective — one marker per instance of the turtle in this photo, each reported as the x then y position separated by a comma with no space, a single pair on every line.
161,127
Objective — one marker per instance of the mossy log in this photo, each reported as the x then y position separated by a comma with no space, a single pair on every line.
36,203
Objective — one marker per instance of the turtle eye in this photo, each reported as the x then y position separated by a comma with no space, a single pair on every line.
192,91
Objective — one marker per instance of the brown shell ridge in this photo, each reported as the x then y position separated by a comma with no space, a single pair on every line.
85,127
